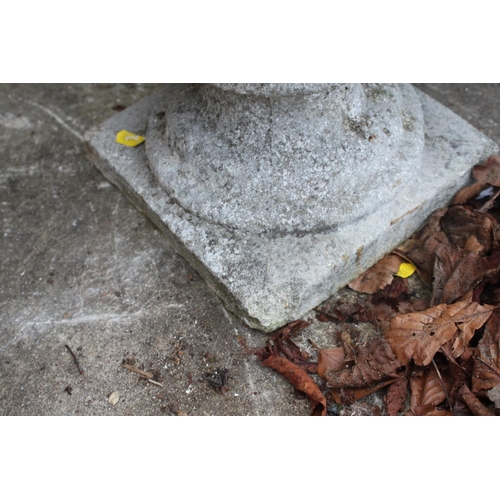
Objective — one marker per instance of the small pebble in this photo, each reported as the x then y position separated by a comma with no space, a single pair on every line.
114,397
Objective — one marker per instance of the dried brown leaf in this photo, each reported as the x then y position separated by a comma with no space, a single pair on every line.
348,395
476,407
392,294
330,359
489,171
419,335
446,260
427,391
348,345
354,313
395,397
486,370
378,276
438,412
282,344
423,245
300,380
456,271
468,192
472,245
420,304
373,362
460,223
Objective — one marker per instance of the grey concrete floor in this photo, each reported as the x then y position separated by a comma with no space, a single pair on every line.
81,267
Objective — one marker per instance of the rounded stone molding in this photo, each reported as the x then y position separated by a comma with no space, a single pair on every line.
285,158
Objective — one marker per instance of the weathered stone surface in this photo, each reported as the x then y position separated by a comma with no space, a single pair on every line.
297,160
270,271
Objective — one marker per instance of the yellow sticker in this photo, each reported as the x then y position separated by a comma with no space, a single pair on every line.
406,269
128,138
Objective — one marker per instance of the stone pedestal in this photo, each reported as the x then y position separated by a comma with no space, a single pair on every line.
280,194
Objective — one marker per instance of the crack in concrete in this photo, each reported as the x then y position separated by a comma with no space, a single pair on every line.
56,117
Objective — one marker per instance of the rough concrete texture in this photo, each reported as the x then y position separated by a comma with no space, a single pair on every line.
80,266
267,275
284,164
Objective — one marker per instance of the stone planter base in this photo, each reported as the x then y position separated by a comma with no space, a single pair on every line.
269,280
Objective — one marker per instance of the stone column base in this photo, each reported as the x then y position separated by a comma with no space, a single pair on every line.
269,281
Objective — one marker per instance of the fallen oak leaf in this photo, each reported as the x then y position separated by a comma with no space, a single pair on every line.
419,335
377,276
300,380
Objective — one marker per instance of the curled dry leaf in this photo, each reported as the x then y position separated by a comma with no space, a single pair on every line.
468,192
347,395
427,390
486,370
488,172
378,276
373,362
476,407
282,345
300,380
419,335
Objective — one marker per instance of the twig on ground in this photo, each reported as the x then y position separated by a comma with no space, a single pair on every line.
151,381
316,346
443,386
74,359
132,368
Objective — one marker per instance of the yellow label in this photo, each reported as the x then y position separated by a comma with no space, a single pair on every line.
406,269
128,138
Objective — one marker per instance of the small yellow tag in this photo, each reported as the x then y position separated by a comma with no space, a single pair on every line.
128,138
406,269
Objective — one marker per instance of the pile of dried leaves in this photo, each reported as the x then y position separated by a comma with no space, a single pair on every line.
438,355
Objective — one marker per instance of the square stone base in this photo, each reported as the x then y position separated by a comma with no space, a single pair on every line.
270,282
